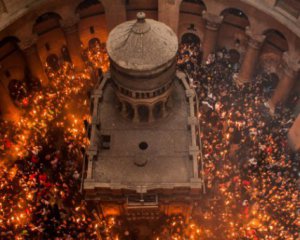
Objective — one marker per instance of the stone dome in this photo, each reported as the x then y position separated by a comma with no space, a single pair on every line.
142,45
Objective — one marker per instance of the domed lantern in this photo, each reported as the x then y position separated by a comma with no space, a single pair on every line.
143,62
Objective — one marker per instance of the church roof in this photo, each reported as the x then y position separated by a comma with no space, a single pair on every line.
142,44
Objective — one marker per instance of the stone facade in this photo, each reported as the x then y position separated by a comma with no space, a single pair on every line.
142,54
145,160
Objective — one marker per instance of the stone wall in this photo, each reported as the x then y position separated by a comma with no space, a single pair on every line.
18,19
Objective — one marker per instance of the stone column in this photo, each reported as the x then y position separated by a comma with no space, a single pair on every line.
70,27
151,118
251,56
7,108
212,26
115,12
168,13
33,60
287,80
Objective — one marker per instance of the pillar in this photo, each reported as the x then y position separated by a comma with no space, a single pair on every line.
168,13
287,80
251,56
135,114
212,25
151,118
33,60
115,12
7,108
70,27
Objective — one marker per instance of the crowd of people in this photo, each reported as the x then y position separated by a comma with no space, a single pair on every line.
41,160
251,175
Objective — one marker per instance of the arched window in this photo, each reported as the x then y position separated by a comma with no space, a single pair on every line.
65,54
275,41
158,110
129,110
272,50
233,29
89,8
190,17
143,112
46,22
235,18
194,7
94,43
10,40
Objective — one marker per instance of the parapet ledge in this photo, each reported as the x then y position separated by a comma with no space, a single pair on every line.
193,121
194,150
97,93
92,150
190,93
89,183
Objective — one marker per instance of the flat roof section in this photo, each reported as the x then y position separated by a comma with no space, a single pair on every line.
144,154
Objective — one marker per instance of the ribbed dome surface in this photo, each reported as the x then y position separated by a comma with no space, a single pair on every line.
142,44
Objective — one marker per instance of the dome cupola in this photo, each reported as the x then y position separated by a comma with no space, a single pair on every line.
143,62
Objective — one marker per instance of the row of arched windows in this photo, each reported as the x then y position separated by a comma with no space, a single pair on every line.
143,111
234,22
233,17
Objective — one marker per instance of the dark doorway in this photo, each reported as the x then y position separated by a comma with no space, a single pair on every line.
53,62
129,110
143,113
65,54
190,38
94,43
105,143
234,56
158,110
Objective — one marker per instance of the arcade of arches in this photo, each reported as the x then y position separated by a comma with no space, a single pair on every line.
53,38
61,33
263,41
